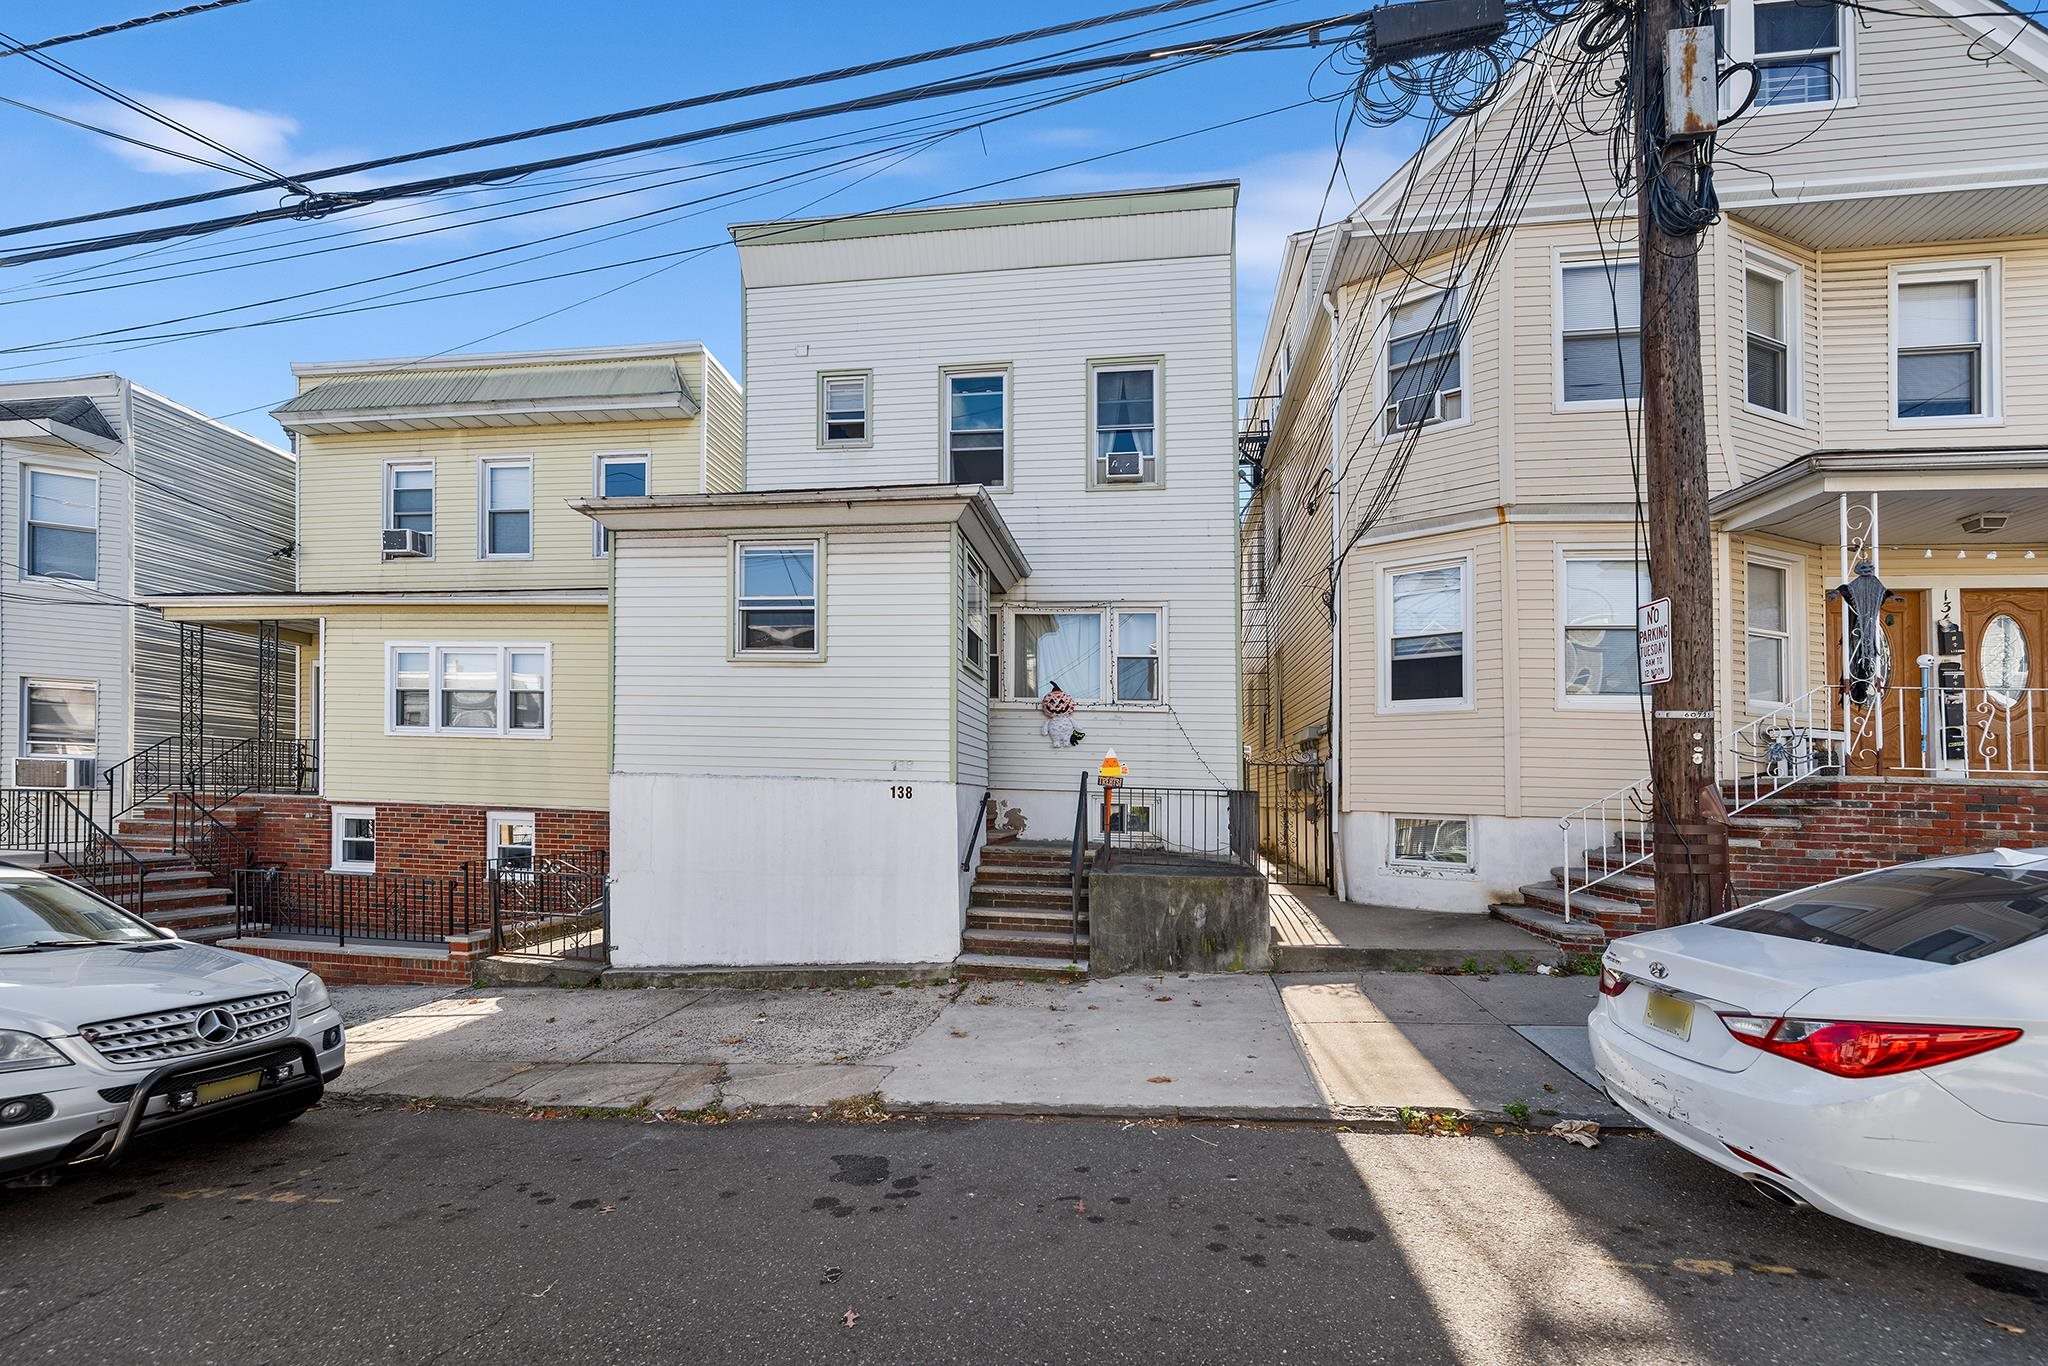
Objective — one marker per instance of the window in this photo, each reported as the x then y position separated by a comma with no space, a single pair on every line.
1769,648
484,690
60,718
1126,403
995,654
776,604
1943,366
409,498
1600,343
1600,600
355,839
1094,654
977,428
1432,841
1425,374
1798,49
1768,340
508,508
974,614
618,476
511,840
62,528
1424,646
843,410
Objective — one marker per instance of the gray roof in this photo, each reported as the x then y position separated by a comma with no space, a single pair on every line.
78,413
657,383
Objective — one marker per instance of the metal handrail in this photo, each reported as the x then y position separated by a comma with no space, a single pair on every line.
73,838
125,775
1787,745
204,849
974,835
1619,816
1074,870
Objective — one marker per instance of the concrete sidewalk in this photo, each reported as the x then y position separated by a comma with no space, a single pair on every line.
1331,1046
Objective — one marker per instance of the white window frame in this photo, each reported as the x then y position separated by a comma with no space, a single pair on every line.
1740,46
1625,554
90,685
28,474
826,442
484,465
1106,664
1564,259
1425,867
435,650
392,469
735,634
1791,284
1384,611
974,620
1794,634
1097,465
1383,383
600,536
947,375
494,819
338,817
1985,274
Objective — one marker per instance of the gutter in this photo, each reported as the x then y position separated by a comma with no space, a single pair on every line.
1334,774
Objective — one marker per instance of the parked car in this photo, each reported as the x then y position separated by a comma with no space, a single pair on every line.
1875,1047
111,1028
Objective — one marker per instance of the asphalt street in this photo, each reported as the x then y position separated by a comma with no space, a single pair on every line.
389,1235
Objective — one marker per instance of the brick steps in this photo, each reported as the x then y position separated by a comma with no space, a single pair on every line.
1051,896
1577,936
1020,914
1015,968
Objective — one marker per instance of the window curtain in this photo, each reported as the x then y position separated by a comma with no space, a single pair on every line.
1063,648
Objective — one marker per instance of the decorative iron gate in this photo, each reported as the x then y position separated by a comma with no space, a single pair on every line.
548,908
1294,818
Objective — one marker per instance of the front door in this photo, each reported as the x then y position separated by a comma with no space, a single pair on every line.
2005,632
1885,732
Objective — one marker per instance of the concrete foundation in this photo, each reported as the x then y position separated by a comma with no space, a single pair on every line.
1158,913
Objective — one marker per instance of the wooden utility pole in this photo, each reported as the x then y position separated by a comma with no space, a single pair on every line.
1689,820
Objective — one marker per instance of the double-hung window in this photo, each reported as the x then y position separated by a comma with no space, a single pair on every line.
1768,634
355,839
978,426
1093,654
1944,366
511,840
1425,370
1800,48
974,614
62,526
1426,654
60,718
775,605
1126,404
1600,332
1769,313
501,690
843,410
1601,594
507,508
409,499
618,476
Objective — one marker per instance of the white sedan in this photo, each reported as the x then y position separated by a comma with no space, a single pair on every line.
1875,1047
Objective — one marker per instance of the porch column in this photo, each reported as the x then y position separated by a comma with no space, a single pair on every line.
191,699
268,657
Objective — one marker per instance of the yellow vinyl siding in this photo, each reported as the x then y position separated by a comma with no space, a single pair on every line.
568,769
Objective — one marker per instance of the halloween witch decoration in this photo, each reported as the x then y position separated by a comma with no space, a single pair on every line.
1867,661
1058,709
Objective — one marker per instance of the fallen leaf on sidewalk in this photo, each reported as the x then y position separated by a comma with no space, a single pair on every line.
2008,1327
1080,1207
1196,1004
1162,998
731,1040
1159,1080
1583,1132
850,1317
984,1000
959,1033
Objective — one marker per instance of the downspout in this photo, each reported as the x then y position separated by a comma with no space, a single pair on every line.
1333,774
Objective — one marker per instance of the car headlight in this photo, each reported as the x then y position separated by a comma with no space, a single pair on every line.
21,1052
311,995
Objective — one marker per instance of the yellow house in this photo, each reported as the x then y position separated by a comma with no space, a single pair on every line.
452,617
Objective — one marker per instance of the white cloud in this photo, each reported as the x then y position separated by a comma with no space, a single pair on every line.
255,133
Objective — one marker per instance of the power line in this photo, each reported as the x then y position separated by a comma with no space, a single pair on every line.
123,137
1203,49
163,16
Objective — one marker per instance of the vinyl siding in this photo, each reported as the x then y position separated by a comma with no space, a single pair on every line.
1759,441
878,705
567,770
970,706
724,432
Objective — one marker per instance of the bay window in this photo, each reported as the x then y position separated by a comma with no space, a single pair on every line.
1601,594
481,690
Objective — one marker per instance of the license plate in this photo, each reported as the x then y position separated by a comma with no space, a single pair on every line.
227,1088
1663,1011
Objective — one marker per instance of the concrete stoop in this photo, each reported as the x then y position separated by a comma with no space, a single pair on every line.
520,970
1573,936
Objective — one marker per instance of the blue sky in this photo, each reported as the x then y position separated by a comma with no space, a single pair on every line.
302,85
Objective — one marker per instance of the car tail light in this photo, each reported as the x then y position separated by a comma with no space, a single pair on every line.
1612,983
1863,1048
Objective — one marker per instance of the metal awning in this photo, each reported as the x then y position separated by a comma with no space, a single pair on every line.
494,396
1927,494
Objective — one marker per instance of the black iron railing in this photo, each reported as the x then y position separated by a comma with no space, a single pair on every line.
207,840
1216,824
222,767
974,834
1074,860
80,849
556,907
149,772
351,907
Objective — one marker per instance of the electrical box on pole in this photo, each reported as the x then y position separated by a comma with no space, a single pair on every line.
1423,28
1692,88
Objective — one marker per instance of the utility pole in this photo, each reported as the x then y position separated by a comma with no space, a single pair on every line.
1689,820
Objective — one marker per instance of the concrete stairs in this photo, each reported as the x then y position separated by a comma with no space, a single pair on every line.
178,894
1020,914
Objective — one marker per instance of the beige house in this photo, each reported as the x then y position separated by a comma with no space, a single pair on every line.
1445,515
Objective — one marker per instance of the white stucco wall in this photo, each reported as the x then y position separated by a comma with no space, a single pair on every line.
755,871
1508,853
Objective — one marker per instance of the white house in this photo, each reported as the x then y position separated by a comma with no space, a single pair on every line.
989,448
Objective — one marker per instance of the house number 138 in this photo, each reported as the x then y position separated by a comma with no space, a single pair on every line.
902,790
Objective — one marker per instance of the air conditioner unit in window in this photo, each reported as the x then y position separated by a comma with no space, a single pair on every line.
403,544
1417,410
68,772
1124,466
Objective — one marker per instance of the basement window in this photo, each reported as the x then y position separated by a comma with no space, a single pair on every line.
355,839
1437,843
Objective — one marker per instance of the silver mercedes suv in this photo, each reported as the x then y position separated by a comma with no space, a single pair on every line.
111,1028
